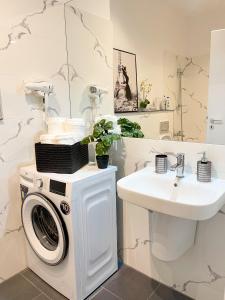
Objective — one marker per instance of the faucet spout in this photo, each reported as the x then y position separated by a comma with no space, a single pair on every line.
174,167
179,166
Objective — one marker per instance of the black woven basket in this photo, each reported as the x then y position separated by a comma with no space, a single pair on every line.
63,159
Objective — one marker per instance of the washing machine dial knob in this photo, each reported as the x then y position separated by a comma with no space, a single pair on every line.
39,183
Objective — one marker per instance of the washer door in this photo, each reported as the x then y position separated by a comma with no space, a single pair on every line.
44,229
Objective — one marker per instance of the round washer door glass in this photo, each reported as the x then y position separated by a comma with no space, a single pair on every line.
44,229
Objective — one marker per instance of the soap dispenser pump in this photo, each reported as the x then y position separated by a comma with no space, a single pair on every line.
204,169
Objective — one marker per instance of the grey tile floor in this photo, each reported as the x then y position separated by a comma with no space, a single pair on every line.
126,284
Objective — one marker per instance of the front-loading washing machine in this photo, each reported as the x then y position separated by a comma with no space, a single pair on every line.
70,225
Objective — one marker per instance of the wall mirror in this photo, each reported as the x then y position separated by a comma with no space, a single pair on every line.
180,53
90,63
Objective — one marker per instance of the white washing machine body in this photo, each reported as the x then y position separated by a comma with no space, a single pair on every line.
70,227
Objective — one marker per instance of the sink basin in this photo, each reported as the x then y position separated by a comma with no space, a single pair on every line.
164,193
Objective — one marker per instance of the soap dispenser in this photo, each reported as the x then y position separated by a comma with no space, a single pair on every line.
204,169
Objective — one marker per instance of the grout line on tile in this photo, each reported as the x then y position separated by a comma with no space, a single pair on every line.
24,271
34,285
115,295
36,297
95,293
153,292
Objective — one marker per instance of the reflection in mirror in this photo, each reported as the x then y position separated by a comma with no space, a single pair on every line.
182,67
89,49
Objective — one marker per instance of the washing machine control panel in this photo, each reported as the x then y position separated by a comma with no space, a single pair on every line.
57,187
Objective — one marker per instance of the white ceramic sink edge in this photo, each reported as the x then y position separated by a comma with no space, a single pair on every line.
190,199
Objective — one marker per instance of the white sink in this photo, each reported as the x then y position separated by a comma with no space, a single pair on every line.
190,199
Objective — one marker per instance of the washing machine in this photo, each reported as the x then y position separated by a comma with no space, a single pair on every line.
70,227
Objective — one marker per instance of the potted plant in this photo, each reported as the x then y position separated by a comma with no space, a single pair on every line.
144,104
104,136
129,128
145,89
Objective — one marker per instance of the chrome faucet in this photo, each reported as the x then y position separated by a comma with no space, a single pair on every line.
179,166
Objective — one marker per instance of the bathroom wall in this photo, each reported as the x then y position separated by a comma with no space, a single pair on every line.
200,273
100,8
34,46
201,25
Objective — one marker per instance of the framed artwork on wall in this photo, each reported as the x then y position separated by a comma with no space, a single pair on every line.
125,81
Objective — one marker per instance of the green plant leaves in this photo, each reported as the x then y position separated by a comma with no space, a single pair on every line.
101,128
130,129
106,140
108,125
88,139
101,149
138,133
144,103
115,137
97,132
102,136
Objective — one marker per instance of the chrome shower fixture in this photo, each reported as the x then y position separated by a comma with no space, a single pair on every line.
40,87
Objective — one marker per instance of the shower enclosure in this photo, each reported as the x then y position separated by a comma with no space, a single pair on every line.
187,84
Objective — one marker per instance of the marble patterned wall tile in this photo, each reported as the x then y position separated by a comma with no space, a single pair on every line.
32,46
12,261
99,8
16,148
38,54
194,81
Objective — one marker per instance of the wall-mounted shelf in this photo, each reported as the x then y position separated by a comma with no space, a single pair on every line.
156,110
145,111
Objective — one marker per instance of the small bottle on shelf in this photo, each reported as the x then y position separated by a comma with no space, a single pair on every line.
168,103
163,103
